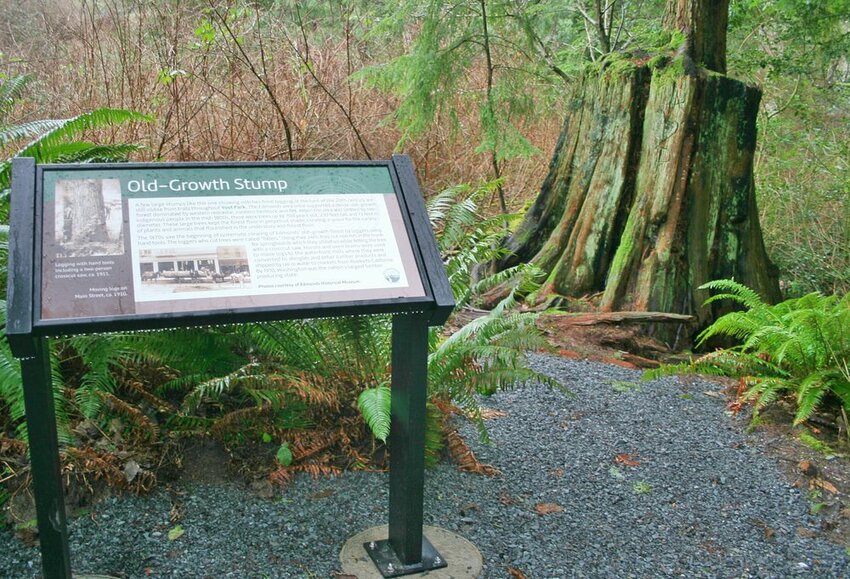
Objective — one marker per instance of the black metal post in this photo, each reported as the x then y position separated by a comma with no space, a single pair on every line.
44,460
407,435
407,550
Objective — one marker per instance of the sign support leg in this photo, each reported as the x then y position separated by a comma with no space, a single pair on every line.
44,458
407,550
407,435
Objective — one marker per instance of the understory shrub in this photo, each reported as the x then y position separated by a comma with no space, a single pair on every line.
800,347
48,141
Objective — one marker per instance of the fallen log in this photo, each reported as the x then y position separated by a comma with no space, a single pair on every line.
594,318
468,314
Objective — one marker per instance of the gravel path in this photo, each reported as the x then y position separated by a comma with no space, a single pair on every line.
687,498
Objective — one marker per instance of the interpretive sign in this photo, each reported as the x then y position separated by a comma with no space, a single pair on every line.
140,240
96,248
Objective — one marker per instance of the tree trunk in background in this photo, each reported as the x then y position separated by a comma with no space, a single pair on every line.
87,213
704,24
650,191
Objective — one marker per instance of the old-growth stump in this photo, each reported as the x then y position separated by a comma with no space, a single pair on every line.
650,191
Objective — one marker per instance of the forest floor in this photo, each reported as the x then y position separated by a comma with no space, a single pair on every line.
601,363
814,457
620,478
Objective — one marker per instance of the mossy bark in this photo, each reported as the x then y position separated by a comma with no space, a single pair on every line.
650,191
574,224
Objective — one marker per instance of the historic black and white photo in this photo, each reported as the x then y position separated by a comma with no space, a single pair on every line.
167,271
89,217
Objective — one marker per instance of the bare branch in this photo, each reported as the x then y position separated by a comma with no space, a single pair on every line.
305,60
260,76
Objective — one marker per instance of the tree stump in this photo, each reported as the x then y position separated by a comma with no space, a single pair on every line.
650,191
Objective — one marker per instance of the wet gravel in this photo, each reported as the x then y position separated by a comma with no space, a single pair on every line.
634,479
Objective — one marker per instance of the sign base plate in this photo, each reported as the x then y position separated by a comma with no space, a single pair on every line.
390,565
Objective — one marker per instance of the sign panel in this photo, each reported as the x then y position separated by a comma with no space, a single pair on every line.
147,240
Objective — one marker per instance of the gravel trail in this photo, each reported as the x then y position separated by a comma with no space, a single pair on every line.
653,479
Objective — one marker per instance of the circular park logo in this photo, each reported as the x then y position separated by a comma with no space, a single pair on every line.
392,275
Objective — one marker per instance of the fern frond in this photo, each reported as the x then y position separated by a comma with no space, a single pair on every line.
374,405
136,418
214,388
66,128
734,291
737,325
188,424
309,443
11,387
11,90
434,424
51,134
252,419
101,355
765,390
444,209
316,470
809,395
28,130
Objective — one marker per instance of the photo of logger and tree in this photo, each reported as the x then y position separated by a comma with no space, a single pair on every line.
657,184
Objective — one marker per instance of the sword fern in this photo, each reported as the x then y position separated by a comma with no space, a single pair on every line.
53,140
800,347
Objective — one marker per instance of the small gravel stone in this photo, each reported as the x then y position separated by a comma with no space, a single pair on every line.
687,498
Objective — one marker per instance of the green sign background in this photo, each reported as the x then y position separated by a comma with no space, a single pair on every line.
311,180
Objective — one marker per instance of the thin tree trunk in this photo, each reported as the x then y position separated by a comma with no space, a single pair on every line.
494,156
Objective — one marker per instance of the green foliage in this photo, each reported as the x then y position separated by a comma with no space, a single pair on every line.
374,404
488,353
796,51
466,238
789,36
804,185
800,346
283,455
816,444
451,41
215,388
434,422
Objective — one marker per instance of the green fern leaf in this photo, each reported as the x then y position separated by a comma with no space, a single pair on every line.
28,130
734,291
809,395
11,90
374,405
70,127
